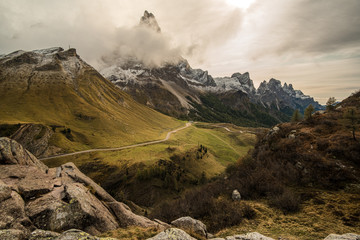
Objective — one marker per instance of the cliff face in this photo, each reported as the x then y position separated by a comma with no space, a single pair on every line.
33,196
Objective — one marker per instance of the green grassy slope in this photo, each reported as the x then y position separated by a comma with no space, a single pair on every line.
97,113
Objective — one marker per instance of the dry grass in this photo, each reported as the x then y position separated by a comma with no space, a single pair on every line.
131,233
328,212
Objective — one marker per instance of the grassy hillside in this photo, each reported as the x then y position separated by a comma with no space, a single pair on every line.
145,175
96,113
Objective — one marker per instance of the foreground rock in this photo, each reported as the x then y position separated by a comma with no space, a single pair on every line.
347,236
173,234
191,225
248,236
33,196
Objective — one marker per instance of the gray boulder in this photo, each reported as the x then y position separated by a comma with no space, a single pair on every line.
190,224
173,234
347,236
236,195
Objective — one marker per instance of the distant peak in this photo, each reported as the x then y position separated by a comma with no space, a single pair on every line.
149,21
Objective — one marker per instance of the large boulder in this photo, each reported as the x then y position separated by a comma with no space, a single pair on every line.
347,236
173,234
29,181
190,224
12,152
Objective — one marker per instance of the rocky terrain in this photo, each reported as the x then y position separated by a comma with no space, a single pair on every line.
181,91
61,203
56,199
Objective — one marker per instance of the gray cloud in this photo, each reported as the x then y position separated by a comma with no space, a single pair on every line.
305,26
304,42
106,30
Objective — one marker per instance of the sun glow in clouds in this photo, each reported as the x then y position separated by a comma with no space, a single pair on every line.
244,4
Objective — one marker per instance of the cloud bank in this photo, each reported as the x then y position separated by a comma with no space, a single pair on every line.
104,31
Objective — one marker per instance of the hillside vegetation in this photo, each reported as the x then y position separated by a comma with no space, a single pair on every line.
301,181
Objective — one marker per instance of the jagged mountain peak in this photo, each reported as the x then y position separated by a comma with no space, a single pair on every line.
148,20
54,59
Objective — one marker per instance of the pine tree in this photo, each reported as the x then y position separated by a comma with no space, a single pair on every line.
351,120
330,104
308,112
296,116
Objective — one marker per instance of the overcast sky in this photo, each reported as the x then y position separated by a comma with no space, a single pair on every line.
313,44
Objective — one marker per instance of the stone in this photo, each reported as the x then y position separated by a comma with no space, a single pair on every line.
29,180
162,225
126,217
230,238
76,234
173,234
5,191
252,236
236,195
291,136
12,234
190,224
70,173
39,234
90,207
12,153
347,236
12,214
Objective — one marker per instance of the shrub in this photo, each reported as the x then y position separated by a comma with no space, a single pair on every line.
288,202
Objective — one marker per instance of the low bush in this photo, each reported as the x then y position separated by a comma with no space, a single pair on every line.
288,201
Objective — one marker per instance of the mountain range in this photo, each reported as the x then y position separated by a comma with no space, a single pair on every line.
181,91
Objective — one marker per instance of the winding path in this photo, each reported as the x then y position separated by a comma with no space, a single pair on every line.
119,148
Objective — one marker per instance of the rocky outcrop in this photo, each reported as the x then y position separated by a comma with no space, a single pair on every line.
347,236
57,199
13,153
172,233
191,225
35,138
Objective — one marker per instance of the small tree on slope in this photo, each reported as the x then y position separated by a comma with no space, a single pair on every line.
351,119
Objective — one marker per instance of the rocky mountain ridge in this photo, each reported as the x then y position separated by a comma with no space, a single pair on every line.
174,88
